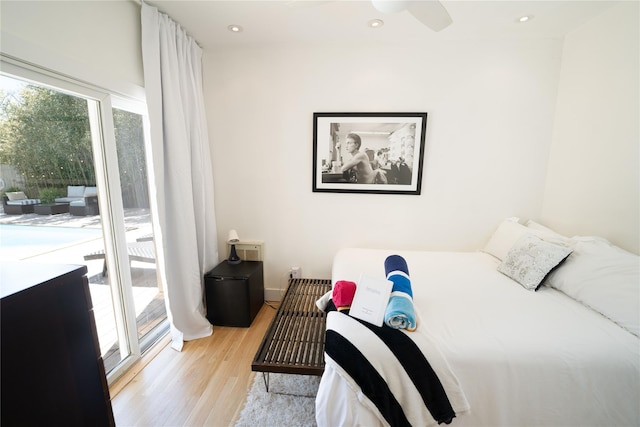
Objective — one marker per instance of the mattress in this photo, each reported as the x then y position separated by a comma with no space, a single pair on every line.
521,357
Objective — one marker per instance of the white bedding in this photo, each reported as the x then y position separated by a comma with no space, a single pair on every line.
521,357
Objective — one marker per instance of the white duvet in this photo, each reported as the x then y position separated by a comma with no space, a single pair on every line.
522,358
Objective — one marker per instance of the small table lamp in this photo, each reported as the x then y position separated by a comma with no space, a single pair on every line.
233,239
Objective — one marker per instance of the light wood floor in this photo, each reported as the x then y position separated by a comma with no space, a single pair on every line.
203,385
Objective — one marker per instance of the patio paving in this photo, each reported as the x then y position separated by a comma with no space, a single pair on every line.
137,224
133,218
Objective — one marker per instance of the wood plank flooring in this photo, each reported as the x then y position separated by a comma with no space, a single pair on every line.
203,385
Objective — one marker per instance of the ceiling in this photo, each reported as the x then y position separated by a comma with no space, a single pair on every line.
340,21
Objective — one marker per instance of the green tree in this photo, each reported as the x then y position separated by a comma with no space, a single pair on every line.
131,158
45,135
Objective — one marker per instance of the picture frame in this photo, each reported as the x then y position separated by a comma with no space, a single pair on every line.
378,153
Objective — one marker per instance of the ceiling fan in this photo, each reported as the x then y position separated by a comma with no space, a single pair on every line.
430,12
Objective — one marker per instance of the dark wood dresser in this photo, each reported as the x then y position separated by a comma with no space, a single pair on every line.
50,365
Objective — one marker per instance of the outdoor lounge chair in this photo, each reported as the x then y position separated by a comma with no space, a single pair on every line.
76,193
87,205
139,251
17,203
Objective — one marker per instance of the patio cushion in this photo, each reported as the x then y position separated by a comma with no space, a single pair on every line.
90,191
16,195
75,191
67,199
24,202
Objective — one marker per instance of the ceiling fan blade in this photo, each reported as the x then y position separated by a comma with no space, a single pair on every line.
431,13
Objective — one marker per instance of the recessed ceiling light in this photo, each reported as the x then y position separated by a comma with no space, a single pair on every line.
376,23
525,18
234,28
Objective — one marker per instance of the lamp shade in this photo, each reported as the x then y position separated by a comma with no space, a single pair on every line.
233,237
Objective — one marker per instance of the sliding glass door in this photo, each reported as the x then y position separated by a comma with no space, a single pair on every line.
148,293
81,151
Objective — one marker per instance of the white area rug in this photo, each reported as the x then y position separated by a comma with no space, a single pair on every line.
271,409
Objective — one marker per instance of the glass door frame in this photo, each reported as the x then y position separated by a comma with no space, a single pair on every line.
100,103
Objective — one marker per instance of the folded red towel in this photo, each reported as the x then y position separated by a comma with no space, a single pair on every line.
343,292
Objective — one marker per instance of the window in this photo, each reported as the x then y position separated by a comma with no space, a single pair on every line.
81,151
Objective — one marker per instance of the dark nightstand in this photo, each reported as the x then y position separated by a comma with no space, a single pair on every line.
234,293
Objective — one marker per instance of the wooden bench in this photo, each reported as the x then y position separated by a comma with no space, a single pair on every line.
294,342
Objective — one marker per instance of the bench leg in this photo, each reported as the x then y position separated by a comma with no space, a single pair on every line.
265,377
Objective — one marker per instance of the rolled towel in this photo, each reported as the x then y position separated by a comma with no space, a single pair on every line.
400,313
323,301
343,292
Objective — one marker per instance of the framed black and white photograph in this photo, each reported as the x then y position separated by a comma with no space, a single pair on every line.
368,152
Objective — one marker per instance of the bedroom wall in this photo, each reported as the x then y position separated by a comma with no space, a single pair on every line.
491,106
593,186
95,40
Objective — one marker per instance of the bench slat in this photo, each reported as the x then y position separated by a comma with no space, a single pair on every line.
294,342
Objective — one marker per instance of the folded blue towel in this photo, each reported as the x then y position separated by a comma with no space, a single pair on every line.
400,313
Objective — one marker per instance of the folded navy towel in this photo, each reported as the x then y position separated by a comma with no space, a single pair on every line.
400,313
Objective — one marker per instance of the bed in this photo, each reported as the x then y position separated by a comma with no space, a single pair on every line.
564,352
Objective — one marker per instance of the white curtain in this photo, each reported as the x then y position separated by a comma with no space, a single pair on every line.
181,165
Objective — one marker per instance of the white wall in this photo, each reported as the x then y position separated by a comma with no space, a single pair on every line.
593,185
98,41
491,107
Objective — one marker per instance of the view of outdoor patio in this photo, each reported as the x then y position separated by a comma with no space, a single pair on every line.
51,145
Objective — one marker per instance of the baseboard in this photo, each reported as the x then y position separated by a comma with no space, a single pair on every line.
273,294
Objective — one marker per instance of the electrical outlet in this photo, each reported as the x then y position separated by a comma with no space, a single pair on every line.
295,272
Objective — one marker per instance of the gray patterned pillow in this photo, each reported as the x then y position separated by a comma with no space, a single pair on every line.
530,259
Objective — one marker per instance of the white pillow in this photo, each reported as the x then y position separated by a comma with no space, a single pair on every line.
16,195
75,190
547,234
530,260
537,226
508,233
603,277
